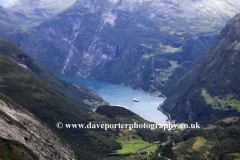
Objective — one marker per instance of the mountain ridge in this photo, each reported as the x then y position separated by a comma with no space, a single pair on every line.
99,38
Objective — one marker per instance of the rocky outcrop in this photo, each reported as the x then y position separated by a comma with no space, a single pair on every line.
20,125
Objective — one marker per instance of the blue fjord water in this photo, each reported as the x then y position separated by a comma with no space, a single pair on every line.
121,95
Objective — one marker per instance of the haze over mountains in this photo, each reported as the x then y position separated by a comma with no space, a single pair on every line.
41,8
20,16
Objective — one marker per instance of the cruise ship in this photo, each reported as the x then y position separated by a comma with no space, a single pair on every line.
135,100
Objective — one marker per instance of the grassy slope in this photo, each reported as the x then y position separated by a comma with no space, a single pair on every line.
130,140
76,94
219,140
15,150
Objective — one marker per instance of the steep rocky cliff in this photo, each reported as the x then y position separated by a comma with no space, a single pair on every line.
136,43
16,123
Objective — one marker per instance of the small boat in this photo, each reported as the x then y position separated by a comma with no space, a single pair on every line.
135,100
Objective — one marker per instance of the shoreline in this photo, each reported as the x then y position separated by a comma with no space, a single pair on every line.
164,112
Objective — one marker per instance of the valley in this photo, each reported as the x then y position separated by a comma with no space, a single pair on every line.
138,45
123,96
77,62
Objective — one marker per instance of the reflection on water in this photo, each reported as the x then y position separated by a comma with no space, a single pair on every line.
117,94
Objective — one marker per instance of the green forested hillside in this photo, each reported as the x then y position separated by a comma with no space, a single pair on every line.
19,80
15,150
68,90
48,99
211,85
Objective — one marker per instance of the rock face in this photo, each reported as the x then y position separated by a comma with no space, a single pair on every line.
142,41
18,124
212,85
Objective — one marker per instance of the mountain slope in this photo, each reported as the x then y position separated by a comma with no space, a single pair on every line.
44,95
48,101
68,90
11,23
20,16
213,89
219,140
17,124
134,43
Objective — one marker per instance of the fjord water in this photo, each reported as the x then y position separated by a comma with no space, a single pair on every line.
116,94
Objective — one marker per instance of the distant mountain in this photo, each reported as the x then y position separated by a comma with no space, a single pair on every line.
12,23
20,16
40,9
133,43
211,86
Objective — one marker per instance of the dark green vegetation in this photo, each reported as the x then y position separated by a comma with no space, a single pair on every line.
133,43
68,90
13,150
131,140
19,80
146,52
219,140
48,102
211,85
